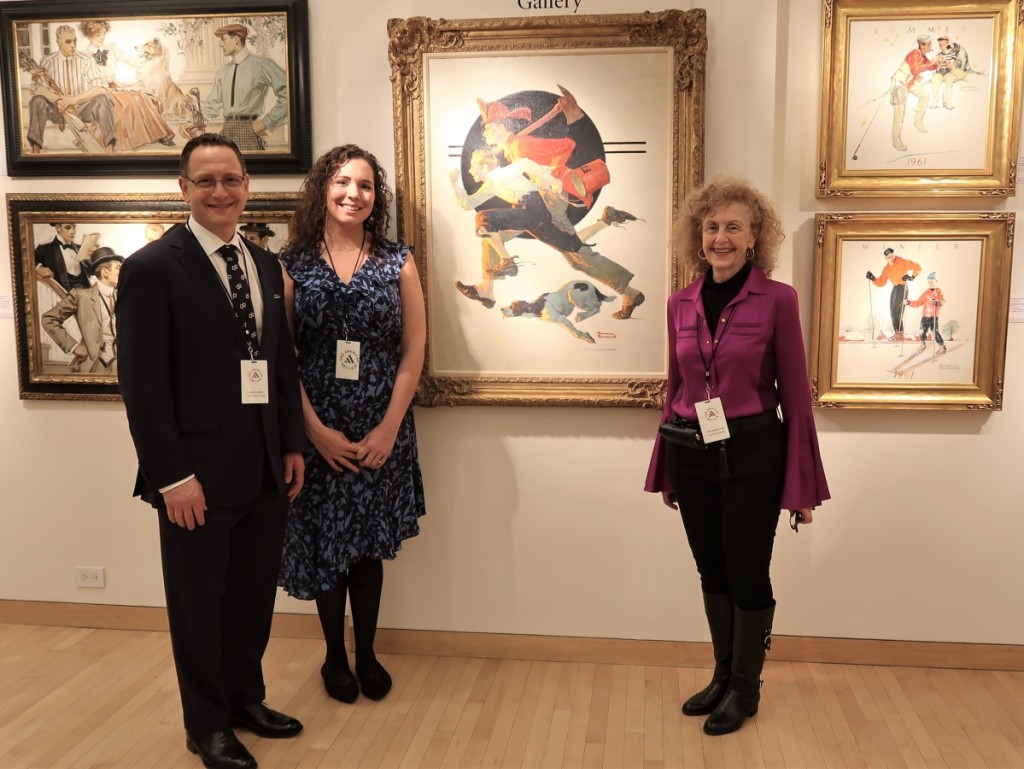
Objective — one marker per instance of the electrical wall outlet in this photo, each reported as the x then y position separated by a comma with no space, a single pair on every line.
89,576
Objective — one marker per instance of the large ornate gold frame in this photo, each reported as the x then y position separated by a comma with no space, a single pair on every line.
854,115
977,247
678,35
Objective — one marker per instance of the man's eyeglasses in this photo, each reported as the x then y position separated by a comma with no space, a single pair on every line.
230,182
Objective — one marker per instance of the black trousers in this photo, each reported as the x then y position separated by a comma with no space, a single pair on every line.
220,581
730,521
896,299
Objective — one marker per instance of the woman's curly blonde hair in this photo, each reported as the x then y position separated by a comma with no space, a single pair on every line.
721,191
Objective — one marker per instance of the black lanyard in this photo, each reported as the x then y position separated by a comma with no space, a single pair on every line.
709,363
359,263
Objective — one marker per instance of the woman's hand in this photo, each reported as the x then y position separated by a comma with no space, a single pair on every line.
374,450
669,498
336,449
796,517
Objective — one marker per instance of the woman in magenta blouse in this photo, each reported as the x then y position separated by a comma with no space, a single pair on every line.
736,358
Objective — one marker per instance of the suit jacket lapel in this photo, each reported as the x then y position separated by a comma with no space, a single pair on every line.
265,264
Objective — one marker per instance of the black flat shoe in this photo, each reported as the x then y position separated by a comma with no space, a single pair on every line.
264,722
340,684
220,750
373,680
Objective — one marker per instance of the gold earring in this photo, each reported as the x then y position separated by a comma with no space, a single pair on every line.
751,255
701,255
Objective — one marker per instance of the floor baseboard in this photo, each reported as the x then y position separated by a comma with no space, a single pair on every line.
849,651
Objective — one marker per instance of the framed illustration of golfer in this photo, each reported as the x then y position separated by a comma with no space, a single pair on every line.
539,163
920,98
911,313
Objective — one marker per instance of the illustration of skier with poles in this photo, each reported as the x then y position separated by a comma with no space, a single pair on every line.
930,302
897,271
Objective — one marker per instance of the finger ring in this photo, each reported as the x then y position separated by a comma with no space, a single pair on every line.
380,461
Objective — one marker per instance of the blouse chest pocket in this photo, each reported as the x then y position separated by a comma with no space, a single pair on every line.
687,330
747,329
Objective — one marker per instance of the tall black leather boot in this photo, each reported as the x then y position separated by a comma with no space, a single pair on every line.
719,610
752,633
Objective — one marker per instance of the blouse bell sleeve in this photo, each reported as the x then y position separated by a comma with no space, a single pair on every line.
657,472
804,484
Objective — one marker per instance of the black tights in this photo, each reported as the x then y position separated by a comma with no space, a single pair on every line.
363,583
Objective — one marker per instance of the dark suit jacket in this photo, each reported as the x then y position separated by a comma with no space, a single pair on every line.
179,352
50,255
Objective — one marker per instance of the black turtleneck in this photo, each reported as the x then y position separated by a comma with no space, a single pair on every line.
717,295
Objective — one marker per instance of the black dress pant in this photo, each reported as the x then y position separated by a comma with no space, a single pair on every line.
730,518
220,581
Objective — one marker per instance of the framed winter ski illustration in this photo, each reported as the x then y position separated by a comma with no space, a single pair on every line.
920,97
911,312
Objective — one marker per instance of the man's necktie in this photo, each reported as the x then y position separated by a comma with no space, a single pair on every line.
234,74
241,298
67,77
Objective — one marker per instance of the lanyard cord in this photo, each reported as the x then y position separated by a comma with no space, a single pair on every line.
709,363
359,263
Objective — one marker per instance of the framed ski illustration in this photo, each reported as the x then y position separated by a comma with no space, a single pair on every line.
911,312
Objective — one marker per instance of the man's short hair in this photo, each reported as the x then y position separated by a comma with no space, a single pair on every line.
921,39
208,140
887,252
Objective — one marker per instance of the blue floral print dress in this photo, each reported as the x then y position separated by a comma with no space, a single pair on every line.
341,518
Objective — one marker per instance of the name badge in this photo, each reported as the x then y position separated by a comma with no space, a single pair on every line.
255,387
346,362
711,416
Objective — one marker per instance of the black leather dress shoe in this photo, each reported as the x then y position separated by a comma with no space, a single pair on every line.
262,721
220,750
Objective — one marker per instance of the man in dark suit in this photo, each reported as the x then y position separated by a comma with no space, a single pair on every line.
65,260
209,380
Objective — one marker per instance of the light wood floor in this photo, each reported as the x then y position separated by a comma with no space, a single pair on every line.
89,698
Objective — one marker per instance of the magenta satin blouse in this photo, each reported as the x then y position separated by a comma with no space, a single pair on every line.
759,364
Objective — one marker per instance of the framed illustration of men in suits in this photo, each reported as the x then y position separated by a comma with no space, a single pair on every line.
61,251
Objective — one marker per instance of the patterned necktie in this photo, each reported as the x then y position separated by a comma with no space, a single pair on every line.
241,298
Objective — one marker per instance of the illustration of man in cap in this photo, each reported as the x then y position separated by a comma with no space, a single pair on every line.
930,302
93,308
911,77
953,68
258,233
240,92
897,271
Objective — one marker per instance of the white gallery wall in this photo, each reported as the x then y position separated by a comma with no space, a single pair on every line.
537,522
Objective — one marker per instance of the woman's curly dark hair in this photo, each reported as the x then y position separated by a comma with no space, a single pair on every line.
310,219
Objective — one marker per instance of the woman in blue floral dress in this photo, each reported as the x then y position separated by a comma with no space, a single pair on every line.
357,316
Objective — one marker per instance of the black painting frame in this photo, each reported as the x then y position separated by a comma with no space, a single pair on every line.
294,157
